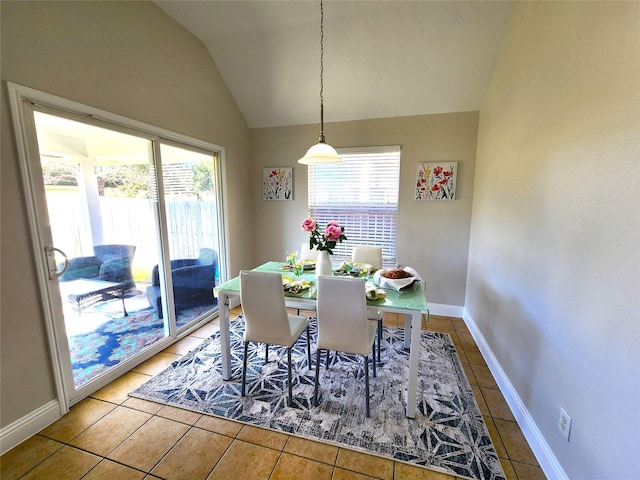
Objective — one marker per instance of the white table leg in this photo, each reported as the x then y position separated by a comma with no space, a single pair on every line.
414,360
407,331
225,342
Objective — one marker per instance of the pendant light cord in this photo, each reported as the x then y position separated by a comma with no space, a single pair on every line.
321,73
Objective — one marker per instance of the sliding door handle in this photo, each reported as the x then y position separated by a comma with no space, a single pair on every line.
52,266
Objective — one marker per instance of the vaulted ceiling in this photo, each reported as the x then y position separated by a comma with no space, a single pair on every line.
381,58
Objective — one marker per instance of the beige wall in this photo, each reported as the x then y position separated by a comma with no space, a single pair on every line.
128,58
433,237
554,260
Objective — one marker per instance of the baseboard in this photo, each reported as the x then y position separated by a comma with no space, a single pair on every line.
545,456
445,310
27,426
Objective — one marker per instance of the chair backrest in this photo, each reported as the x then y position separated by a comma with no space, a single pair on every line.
370,255
307,253
342,315
113,251
265,314
207,257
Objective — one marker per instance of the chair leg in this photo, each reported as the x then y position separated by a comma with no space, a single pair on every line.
328,362
309,346
289,376
266,353
244,367
373,358
366,383
317,380
379,338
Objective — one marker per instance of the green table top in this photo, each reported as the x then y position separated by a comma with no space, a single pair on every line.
412,298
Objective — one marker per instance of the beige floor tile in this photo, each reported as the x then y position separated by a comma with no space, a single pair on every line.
459,325
363,463
482,405
194,456
466,339
246,461
142,405
321,452
497,404
474,356
292,467
411,472
179,414
495,437
157,363
440,324
79,418
509,472
261,436
342,474
108,470
68,463
219,425
118,390
184,345
484,376
517,447
149,443
22,458
528,472
110,431
469,373
391,319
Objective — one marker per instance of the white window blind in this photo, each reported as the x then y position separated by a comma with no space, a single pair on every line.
361,195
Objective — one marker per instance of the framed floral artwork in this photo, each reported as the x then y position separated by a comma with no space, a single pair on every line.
436,181
277,183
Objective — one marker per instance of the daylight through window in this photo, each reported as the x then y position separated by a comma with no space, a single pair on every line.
361,195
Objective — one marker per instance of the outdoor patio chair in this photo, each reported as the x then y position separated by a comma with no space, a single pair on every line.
193,282
109,263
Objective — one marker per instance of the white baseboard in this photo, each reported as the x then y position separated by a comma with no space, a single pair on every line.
27,426
445,310
545,456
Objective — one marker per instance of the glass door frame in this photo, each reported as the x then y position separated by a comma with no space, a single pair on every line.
24,102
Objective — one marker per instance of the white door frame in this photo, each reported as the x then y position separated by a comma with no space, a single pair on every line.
23,102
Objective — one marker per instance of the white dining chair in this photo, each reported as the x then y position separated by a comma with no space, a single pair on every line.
372,256
343,325
266,319
306,253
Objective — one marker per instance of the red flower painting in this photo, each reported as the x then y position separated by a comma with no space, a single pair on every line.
436,181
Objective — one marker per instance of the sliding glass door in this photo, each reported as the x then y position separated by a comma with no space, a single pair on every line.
99,189
128,226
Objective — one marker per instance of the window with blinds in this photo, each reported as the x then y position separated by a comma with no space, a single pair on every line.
361,195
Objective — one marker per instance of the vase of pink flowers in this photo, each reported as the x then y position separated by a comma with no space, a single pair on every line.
323,241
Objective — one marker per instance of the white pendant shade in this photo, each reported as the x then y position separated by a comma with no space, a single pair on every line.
321,154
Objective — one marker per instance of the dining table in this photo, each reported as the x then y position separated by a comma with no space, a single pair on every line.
410,302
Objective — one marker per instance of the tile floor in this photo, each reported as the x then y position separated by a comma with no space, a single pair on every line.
113,437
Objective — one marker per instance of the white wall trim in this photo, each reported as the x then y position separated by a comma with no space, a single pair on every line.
27,426
446,310
545,456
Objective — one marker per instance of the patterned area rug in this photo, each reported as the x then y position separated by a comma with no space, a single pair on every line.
447,435
103,337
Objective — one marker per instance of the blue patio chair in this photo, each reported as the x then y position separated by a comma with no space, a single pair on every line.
109,263
193,282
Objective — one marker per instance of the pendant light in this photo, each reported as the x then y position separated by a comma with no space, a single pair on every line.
321,153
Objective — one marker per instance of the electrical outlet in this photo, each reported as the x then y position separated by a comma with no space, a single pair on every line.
565,423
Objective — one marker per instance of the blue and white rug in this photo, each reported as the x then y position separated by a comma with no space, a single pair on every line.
447,435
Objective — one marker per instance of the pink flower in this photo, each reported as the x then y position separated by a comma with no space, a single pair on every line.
333,232
308,225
